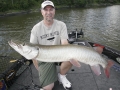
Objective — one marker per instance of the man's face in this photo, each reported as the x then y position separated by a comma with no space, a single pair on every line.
48,13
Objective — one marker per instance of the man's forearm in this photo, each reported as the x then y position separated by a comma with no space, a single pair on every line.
35,64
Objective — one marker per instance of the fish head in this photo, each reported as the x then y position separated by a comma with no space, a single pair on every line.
26,50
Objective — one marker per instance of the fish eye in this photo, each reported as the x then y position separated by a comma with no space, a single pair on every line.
37,48
23,44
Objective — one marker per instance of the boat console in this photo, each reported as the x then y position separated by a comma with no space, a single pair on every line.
74,35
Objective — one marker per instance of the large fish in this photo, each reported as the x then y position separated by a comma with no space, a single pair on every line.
60,53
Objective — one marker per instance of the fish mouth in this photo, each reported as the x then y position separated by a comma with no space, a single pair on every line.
13,44
18,47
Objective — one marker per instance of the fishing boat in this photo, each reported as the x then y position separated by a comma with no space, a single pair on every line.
11,79
108,51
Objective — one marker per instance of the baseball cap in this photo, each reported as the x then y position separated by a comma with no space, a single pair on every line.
46,3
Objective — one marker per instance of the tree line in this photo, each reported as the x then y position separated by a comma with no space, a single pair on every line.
6,5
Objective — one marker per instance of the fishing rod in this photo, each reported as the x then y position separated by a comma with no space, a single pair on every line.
18,67
35,87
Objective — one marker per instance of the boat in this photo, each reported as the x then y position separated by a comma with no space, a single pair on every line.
107,51
9,77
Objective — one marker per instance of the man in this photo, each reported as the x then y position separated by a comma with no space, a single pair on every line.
50,31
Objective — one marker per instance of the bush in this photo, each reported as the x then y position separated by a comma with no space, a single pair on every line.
80,3
3,6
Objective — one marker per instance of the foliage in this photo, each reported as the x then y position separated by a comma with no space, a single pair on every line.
80,3
27,4
16,4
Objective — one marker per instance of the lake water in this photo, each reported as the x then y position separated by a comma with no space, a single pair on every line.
101,25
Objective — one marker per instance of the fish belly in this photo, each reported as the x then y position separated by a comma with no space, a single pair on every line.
66,53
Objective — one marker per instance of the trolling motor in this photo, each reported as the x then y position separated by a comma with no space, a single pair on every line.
74,35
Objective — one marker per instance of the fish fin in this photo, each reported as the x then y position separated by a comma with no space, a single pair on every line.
107,69
96,69
98,49
75,63
98,45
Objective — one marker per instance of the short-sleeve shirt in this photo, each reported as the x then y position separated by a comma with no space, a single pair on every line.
41,34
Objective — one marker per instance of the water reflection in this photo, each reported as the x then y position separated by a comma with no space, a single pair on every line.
100,25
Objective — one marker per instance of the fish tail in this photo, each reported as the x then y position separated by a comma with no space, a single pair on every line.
107,69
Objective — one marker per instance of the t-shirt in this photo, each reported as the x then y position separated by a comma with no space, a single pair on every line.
41,34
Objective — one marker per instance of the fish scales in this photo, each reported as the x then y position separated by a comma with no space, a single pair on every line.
67,52
60,53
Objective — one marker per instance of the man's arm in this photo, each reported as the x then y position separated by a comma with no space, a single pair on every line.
35,64
33,39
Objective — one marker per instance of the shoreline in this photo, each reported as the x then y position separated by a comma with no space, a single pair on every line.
19,12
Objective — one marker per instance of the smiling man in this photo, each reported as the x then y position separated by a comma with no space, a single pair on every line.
50,31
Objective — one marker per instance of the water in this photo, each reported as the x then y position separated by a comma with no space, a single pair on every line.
101,25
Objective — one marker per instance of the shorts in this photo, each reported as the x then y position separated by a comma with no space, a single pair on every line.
47,73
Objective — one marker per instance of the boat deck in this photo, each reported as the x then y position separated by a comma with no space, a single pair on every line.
81,78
